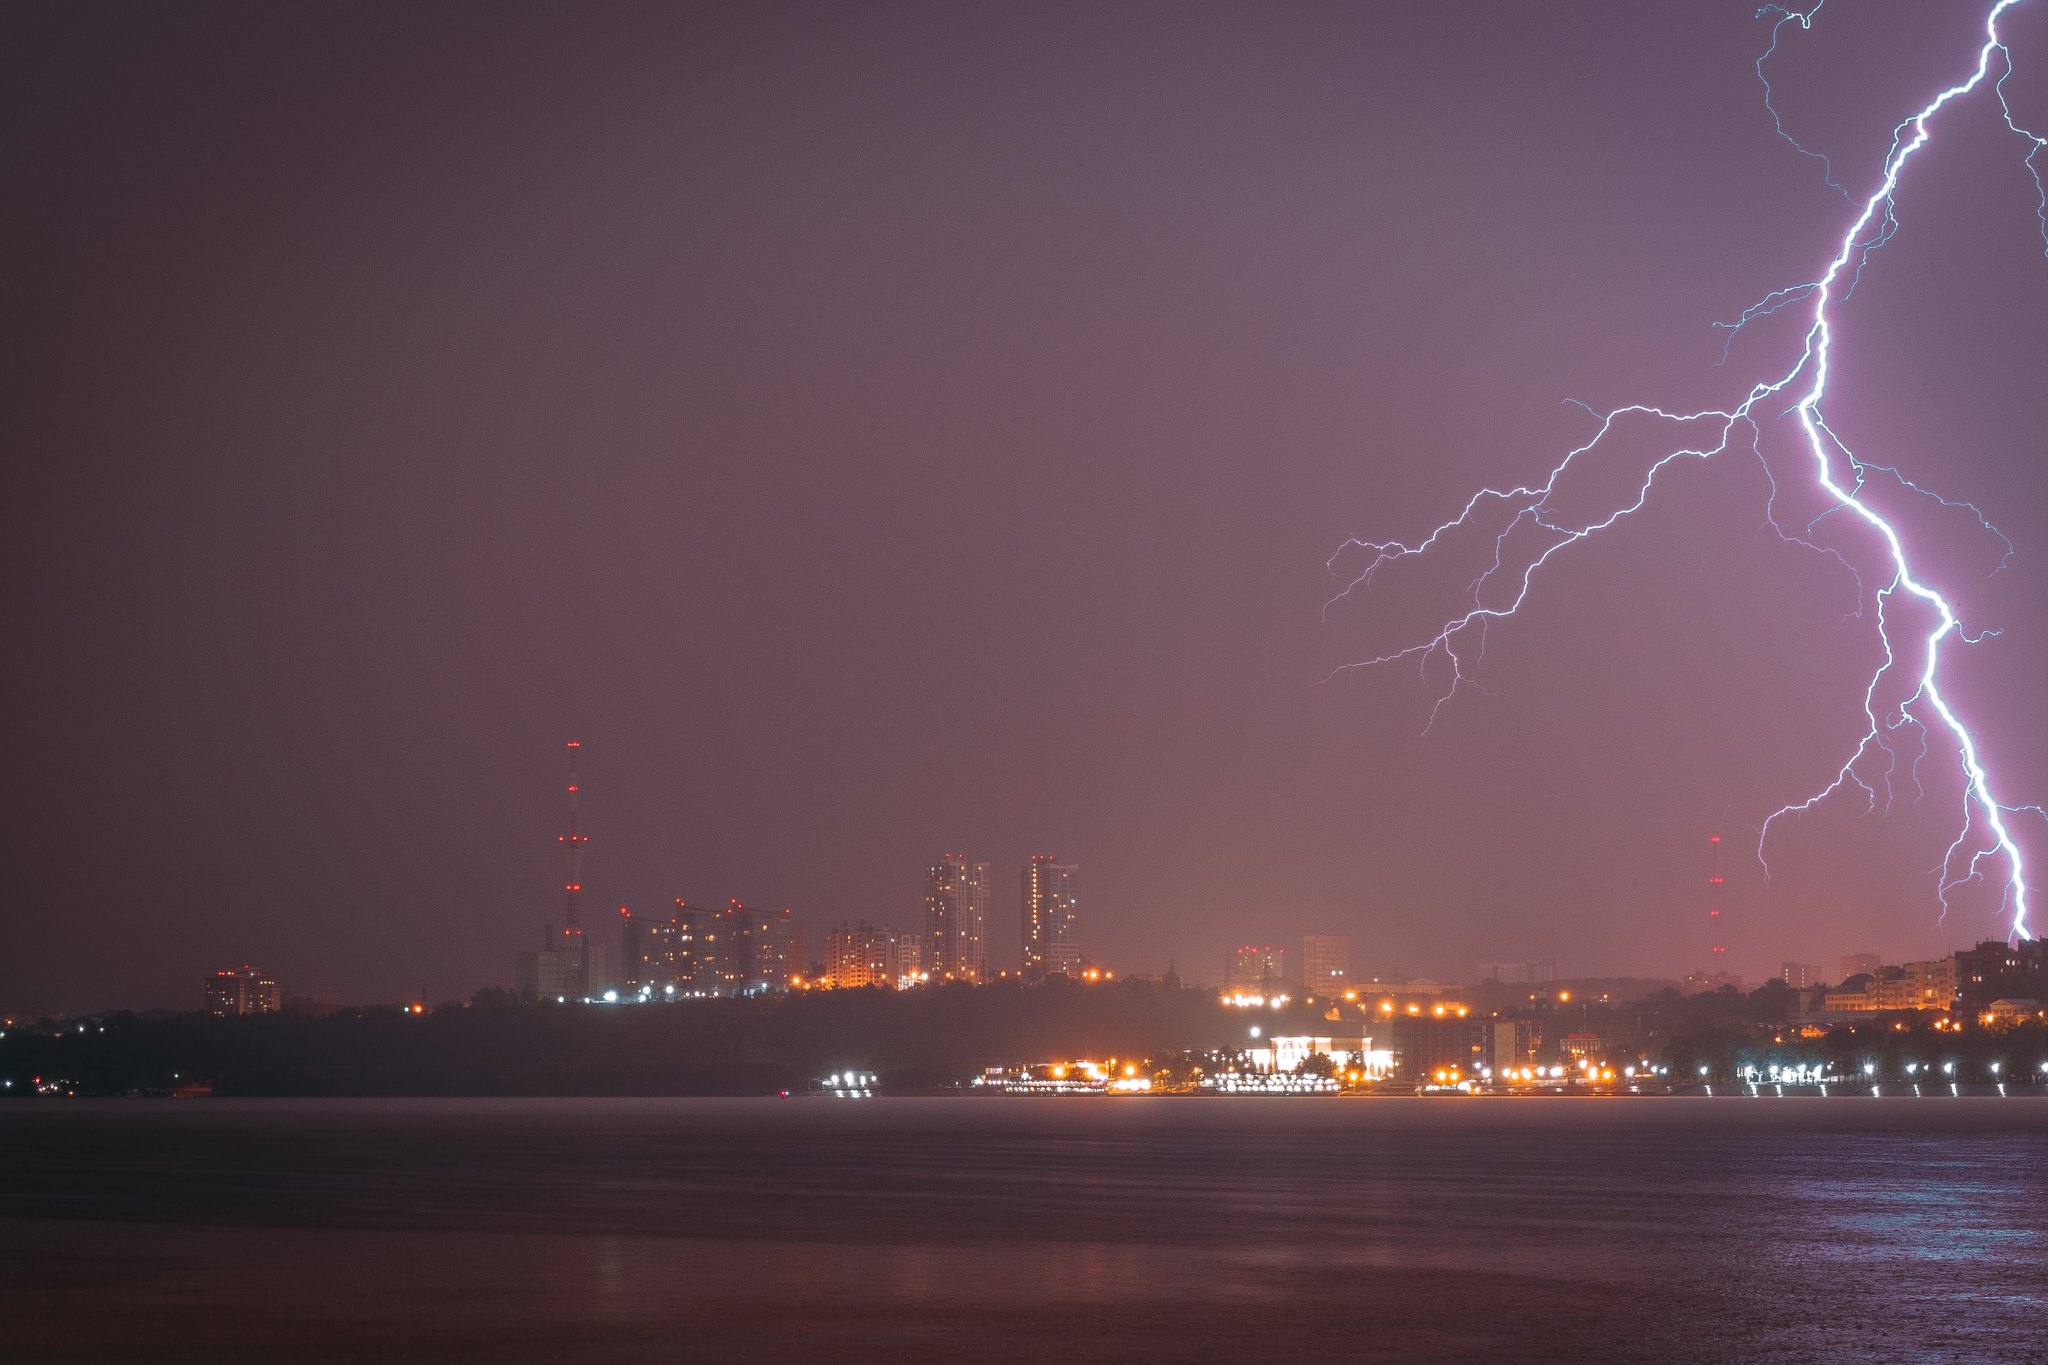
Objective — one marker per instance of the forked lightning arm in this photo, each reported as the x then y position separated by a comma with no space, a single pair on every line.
1533,532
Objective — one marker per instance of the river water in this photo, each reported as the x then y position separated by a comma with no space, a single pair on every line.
994,1229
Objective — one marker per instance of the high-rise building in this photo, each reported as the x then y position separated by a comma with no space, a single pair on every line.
674,956
1051,909
956,919
1326,965
1260,970
758,950
1859,964
867,956
242,990
1801,976
786,937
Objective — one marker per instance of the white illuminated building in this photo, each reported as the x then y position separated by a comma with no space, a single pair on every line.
1284,1054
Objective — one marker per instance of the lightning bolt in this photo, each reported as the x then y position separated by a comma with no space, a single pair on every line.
1912,621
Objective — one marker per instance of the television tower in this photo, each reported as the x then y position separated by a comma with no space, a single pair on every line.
572,925
1718,947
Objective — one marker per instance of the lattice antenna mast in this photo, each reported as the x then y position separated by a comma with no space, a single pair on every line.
573,845
1717,943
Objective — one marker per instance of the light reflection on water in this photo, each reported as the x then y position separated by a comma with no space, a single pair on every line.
1653,1230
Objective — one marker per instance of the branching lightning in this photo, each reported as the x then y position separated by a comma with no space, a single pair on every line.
1907,714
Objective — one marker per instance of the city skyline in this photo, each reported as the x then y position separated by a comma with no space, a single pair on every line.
1035,681
839,545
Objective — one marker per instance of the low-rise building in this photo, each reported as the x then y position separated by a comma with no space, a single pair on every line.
1856,995
2006,1013
1287,1053
1441,1038
1574,1048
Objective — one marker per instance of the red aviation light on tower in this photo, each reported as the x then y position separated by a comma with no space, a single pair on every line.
572,844
1717,951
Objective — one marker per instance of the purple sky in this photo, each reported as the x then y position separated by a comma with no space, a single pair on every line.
890,429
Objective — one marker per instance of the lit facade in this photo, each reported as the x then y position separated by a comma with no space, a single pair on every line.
956,919
1284,1054
1326,965
2006,1013
242,990
1920,986
1994,969
674,956
1052,944
867,956
1801,976
1516,1043
758,950
1582,1047
1915,986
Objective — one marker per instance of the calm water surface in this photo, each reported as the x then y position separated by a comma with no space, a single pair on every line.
1011,1229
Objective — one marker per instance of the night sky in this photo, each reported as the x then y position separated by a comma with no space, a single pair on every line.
882,430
